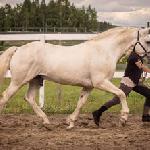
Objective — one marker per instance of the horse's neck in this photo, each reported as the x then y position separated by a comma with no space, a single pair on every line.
125,43
115,43
120,44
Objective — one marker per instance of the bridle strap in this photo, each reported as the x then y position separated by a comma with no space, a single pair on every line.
138,42
138,36
146,52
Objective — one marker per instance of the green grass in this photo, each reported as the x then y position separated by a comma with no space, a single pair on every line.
68,101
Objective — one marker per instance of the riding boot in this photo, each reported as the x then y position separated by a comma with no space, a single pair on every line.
98,113
146,111
146,118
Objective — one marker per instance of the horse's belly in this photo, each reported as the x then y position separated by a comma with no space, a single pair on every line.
70,80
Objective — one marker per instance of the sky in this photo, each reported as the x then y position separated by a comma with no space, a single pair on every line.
117,12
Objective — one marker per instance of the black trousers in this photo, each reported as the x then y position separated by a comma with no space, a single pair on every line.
145,91
141,89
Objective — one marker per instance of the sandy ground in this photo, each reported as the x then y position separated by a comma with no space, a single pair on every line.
25,132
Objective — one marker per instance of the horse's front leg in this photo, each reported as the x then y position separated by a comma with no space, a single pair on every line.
82,99
108,86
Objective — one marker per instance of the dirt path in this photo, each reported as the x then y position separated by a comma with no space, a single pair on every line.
24,132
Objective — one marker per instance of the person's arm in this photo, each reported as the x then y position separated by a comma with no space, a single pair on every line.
142,66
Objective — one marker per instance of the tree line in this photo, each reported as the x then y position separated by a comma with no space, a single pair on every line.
55,13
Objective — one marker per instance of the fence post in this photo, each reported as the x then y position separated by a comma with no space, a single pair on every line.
42,95
59,86
42,88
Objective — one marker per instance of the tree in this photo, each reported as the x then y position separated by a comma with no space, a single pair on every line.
2,19
43,13
92,19
52,18
8,22
17,16
25,13
57,13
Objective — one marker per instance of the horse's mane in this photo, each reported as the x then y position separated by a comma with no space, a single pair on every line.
112,31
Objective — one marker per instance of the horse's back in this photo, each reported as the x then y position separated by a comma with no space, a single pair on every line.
65,62
59,63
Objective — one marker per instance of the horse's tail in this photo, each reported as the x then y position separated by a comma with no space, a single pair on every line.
5,58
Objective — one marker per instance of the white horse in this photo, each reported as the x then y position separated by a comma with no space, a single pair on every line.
89,65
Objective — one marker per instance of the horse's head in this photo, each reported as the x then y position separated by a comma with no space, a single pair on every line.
142,43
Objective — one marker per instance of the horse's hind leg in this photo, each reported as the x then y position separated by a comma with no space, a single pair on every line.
30,97
8,93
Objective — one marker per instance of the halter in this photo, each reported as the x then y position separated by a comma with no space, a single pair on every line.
138,42
146,53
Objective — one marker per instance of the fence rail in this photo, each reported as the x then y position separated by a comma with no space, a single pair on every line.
46,30
44,37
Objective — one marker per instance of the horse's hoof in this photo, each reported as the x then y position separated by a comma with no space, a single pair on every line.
47,126
43,125
123,122
68,121
71,124
46,122
69,127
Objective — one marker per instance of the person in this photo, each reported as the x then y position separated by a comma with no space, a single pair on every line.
129,82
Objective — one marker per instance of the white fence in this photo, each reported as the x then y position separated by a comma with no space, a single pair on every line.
45,37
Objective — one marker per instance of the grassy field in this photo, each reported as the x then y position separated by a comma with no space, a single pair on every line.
69,98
